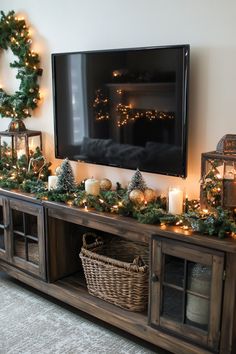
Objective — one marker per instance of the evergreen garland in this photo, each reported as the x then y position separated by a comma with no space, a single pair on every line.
14,34
17,174
218,222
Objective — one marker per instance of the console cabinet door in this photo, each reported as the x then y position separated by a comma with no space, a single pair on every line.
26,233
4,225
186,290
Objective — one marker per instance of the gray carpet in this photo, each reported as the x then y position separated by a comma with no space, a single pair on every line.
31,323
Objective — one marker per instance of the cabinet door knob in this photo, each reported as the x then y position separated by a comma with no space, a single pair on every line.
155,277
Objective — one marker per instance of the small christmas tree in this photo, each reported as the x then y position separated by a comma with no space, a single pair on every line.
137,182
66,180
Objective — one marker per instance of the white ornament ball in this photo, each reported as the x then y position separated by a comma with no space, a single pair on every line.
136,196
150,195
105,184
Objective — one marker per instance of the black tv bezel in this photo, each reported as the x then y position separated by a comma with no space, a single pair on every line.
185,93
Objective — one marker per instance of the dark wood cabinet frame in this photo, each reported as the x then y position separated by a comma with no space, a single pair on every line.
61,228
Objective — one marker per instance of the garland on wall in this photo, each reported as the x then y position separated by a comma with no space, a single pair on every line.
14,34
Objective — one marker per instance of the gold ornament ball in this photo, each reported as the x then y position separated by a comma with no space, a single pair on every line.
136,196
105,184
149,195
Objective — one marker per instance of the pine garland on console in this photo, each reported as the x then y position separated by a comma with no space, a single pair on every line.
218,221
17,173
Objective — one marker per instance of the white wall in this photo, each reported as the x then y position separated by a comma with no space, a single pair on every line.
209,26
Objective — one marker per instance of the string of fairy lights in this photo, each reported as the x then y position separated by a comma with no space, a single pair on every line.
126,113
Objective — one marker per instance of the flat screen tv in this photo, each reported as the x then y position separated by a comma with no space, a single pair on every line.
124,108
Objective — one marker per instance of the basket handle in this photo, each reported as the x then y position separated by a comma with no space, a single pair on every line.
96,240
138,261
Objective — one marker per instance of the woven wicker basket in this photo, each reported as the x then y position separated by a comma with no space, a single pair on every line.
116,272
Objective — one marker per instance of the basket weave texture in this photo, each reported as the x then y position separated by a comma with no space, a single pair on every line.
116,272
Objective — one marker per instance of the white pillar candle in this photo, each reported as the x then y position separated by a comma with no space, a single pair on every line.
92,186
175,201
52,182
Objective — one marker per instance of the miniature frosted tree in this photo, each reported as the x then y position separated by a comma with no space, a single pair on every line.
66,180
137,182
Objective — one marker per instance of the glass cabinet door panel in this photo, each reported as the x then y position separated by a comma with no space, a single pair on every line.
33,252
26,235
19,246
2,241
174,271
1,215
172,306
197,311
199,278
17,220
31,225
198,294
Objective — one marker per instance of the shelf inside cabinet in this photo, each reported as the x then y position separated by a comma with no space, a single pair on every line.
75,286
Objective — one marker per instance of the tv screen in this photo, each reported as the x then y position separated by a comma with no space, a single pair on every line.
124,108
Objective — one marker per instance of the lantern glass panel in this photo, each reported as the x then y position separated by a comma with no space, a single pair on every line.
7,140
229,172
34,142
20,146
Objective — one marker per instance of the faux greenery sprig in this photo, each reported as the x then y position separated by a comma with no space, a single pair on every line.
212,186
220,222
